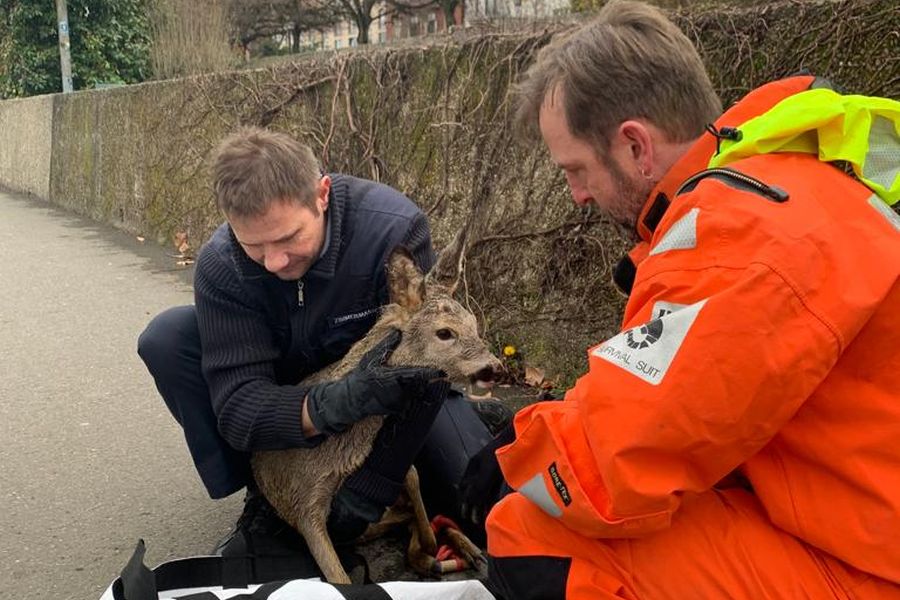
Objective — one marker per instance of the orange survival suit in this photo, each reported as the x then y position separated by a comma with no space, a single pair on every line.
760,345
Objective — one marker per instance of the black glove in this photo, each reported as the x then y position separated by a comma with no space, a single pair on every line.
369,389
377,483
482,485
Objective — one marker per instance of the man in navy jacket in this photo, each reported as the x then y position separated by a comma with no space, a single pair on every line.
292,279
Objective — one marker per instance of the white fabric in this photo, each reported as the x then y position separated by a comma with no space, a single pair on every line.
682,235
536,490
446,590
886,211
309,589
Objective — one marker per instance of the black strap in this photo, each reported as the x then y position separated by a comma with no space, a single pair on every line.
137,582
349,592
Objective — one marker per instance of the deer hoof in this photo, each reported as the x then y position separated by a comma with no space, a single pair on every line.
464,547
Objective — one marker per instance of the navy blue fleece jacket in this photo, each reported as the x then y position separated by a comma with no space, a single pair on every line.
261,335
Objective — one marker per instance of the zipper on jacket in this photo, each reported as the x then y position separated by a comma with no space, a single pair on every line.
300,299
776,194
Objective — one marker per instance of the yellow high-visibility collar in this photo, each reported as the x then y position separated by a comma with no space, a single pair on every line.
863,131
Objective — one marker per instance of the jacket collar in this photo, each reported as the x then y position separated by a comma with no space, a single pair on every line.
338,199
326,265
693,160
697,157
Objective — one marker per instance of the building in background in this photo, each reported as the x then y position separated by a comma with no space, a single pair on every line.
424,21
340,35
486,10
394,25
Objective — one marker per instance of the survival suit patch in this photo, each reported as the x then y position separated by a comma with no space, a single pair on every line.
648,350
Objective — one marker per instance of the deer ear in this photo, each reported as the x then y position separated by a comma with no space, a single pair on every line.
406,284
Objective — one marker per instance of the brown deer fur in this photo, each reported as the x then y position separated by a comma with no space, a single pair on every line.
300,483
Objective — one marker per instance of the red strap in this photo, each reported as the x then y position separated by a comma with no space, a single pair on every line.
440,523
448,560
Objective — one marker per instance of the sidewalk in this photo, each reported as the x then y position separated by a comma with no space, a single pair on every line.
90,459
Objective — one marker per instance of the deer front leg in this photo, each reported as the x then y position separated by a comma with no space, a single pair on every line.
421,525
422,542
464,547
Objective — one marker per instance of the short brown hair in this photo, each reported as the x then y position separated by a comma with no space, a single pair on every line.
255,167
630,62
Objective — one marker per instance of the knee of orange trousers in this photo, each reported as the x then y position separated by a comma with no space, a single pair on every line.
720,545
516,528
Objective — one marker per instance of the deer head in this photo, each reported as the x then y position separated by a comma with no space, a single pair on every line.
437,330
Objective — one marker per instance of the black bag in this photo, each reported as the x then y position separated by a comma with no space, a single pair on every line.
260,578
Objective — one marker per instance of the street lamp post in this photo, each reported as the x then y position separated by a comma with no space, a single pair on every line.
65,58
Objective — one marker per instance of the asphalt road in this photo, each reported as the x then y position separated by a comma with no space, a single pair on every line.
90,460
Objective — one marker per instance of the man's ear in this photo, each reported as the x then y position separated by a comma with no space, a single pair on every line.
323,189
637,138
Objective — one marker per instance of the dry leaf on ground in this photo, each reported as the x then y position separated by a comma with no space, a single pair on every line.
534,376
181,242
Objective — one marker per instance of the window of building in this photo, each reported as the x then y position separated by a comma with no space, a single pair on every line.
432,23
338,43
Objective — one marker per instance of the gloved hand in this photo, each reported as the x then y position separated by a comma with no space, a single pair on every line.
482,483
370,389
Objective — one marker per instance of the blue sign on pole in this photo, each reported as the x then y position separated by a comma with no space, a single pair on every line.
64,27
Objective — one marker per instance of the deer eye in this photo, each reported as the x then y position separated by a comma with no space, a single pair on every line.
444,334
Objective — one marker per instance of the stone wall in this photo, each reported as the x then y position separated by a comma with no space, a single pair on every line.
25,144
434,120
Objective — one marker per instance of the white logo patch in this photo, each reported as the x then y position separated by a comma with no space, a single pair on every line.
662,308
681,235
648,350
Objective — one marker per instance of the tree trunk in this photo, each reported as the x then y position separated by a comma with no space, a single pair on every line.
362,24
449,9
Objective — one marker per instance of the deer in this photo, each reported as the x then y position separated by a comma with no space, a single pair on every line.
300,483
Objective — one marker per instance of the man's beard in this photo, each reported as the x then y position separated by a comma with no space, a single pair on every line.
632,195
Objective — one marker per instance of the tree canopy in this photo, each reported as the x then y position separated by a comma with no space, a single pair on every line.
109,44
255,19
363,12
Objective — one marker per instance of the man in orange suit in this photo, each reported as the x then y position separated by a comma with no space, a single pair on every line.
740,438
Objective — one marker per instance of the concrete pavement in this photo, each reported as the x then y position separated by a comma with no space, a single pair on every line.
90,459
